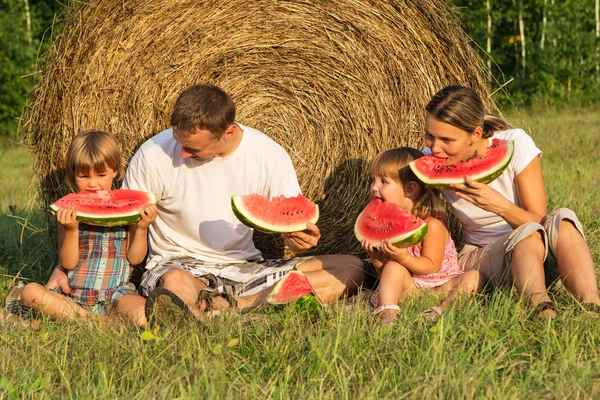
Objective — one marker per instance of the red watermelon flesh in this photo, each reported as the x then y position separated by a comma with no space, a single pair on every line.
435,172
382,220
280,214
107,208
290,288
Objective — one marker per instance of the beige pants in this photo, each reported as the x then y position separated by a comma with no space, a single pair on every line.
494,259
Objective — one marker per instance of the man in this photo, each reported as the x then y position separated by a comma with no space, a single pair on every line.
198,248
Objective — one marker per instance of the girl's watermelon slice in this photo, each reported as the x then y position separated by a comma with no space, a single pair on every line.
107,208
290,288
280,214
382,220
434,171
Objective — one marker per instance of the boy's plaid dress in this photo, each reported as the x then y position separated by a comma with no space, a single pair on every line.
103,266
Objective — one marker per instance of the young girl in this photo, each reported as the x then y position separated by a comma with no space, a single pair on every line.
430,264
97,258
508,236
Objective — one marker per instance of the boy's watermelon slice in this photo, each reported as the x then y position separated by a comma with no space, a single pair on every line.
290,288
434,171
280,214
107,208
382,220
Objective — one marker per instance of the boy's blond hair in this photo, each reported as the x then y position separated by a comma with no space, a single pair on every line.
93,150
393,163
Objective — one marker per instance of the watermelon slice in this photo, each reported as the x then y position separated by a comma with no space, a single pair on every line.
281,214
382,220
290,288
434,171
107,208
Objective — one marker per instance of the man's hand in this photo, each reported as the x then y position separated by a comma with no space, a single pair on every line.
299,242
58,279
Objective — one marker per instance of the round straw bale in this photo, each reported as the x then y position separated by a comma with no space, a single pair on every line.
334,82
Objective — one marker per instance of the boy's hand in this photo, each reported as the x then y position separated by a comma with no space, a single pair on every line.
398,254
67,217
299,242
59,279
148,214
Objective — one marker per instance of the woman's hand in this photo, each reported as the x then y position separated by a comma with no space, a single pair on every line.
398,254
67,217
299,242
482,196
148,214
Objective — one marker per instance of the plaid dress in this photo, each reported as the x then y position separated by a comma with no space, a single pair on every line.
103,268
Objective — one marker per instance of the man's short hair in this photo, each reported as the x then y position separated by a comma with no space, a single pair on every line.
203,106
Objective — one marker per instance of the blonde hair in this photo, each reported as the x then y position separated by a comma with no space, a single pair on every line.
462,107
93,150
393,163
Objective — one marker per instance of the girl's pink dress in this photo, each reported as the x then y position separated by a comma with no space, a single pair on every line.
449,270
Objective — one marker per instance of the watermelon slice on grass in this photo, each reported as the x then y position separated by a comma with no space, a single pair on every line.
107,208
292,287
279,215
434,172
382,220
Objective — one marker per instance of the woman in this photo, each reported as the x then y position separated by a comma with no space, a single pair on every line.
508,236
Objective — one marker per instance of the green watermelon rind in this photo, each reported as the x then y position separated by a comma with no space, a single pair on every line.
114,219
484,177
406,239
245,218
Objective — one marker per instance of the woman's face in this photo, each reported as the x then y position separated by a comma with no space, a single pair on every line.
448,141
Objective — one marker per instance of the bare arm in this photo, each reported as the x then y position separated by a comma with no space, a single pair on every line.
530,189
432,252
138,235
68,238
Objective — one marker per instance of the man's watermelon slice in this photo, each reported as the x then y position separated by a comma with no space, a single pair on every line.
107,208
290,288
280,214
382,220
434,171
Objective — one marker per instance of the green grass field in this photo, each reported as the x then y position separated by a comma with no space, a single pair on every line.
487,347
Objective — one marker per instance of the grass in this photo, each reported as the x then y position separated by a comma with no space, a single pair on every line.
486,347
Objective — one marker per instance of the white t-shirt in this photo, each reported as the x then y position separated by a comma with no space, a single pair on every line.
481,227
194,210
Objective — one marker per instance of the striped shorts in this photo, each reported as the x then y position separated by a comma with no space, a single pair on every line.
242,279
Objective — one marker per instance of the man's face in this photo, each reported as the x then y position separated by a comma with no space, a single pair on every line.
202,145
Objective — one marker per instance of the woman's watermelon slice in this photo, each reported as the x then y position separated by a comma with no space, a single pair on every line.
434,171
280,214
382,220
107,208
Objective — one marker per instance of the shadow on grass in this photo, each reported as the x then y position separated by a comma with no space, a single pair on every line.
27,252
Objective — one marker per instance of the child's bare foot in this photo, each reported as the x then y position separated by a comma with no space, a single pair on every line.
387,313
545,310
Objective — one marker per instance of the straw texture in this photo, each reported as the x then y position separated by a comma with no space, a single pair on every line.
334,82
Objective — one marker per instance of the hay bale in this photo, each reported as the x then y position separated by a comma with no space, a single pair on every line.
333,81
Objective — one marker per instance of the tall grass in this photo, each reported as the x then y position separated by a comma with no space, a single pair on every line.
487,347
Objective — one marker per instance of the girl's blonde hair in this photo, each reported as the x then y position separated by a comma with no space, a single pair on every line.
462,107
393,163
93,150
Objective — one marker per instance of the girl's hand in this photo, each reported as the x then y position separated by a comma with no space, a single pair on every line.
398,254
148,214
299,242
481,195
67,217
374,252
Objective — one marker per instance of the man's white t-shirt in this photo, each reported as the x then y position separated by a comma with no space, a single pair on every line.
481,227
195,218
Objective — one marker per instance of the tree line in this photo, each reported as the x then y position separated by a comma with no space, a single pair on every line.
535,51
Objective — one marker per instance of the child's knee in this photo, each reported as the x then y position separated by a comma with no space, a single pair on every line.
473,281
32,293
